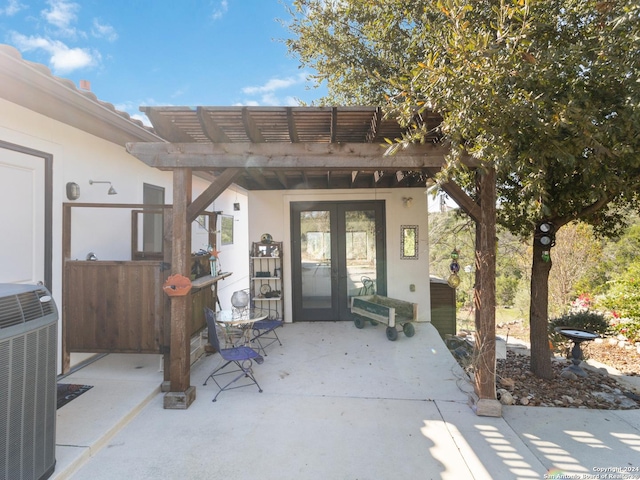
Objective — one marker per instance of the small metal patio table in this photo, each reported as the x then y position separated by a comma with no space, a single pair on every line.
242,319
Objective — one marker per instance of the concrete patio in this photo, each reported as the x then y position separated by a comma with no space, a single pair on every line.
338,403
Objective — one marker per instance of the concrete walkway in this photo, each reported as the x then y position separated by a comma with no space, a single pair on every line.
338,403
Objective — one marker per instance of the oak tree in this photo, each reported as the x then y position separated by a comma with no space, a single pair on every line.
546,93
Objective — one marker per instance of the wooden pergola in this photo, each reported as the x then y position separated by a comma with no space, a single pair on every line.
283,148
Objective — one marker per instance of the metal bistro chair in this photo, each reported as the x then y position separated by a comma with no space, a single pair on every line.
265,331
242,356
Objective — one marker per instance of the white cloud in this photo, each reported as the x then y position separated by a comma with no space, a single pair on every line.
250,103
291,102
104,31
66,59
143,118
133,109
180,92
268,91
273,100
275,84
62,59
219,12
61,15
13,7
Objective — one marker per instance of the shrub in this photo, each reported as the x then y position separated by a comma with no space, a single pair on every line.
630,329
586,320
624,293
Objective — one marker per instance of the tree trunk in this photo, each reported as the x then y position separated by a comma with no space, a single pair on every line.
538,314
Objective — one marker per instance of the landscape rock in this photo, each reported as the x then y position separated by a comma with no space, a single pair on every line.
597,390
505,397
531,391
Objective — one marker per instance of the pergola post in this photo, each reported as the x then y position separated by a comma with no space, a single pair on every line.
485,402
181,394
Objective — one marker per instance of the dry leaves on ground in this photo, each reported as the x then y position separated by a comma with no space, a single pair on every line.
624,359
598,390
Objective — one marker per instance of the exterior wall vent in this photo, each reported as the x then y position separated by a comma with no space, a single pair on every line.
28,342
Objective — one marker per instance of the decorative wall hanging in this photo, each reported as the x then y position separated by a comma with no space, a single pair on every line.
176,286
409,242
454,267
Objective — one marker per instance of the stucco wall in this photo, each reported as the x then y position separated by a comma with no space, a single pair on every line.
269,213
79,157
234,258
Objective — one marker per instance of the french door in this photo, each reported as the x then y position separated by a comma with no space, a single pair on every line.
338,251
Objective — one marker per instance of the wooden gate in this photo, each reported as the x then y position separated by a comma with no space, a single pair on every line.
114,306
119,306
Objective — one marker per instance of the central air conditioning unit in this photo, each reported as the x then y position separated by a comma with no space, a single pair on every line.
28,342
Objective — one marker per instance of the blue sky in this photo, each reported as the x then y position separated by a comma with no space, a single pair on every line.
162,52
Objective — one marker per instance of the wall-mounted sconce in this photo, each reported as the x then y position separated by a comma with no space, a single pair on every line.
73,191
407,202
112,191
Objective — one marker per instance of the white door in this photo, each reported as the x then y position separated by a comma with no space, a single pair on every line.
22,217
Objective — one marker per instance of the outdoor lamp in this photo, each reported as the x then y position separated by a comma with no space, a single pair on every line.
544,235
73,191
112,191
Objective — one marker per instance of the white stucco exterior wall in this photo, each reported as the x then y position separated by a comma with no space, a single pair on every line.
79,157
234,258
270,213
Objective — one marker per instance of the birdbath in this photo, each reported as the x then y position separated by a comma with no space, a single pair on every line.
577,336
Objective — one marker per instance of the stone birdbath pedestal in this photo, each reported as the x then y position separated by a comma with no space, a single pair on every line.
577,336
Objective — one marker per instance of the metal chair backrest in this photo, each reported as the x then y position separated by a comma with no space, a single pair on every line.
211,327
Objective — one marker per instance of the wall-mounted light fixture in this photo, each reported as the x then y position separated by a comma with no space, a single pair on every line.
73,191
112,191
407,202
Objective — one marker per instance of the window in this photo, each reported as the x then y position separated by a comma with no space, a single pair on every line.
152,223
226,229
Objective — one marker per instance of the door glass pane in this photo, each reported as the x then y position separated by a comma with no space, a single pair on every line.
361,252
152,223
315,253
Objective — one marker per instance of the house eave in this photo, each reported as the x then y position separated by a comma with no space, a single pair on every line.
33,86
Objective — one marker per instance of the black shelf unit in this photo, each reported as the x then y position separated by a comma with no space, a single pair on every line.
265,270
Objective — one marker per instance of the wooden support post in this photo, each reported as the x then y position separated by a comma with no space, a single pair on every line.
485,402
167,248
181,394
66,254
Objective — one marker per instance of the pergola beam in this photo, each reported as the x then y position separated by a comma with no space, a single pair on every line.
213,191
375,122
282,178
291,125
345,156
252,130
467,203
210,127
